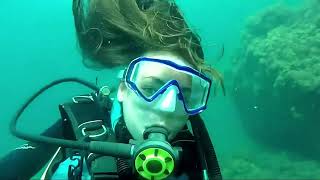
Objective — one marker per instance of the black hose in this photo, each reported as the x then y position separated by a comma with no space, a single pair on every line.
44,139
105,148
202,135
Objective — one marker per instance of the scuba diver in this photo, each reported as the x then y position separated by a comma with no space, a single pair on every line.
151,128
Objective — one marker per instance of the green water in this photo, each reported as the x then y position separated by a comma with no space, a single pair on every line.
38,46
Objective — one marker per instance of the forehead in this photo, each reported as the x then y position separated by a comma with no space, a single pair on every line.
159,70
168,56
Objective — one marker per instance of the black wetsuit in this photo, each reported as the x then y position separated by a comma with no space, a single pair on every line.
26,160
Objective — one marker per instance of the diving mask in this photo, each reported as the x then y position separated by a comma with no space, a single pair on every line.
150,78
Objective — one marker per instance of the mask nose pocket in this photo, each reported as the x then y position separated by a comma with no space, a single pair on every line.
168,100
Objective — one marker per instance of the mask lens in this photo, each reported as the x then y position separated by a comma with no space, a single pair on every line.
152,78
148,85
197,96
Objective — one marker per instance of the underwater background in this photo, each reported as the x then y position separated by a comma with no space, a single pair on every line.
267,125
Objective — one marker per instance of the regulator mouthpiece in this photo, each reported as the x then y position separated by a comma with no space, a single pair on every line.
155,158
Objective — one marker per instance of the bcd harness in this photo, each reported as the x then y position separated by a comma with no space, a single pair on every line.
84,120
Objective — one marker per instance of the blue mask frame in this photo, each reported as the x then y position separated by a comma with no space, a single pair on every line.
134,87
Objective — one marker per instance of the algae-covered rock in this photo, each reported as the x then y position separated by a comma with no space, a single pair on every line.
269,165
276,81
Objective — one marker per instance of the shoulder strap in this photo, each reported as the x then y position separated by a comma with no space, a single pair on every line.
83,120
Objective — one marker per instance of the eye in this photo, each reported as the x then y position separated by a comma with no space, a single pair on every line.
186,92
149,90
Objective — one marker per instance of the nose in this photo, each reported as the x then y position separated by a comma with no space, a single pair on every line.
168,99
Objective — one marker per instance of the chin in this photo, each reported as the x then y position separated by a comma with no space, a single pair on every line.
171,136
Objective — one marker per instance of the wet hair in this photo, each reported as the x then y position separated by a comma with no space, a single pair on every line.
112,33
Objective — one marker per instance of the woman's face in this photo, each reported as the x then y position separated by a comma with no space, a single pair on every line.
139,114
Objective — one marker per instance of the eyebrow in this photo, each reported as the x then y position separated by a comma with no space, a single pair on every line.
163,82
155,79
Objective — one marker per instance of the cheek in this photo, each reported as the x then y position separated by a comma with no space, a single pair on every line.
177,124
134,117
176,127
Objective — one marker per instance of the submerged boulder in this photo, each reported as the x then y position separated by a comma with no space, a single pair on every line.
276,78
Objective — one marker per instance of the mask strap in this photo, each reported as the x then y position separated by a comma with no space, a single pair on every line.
116,113
122,73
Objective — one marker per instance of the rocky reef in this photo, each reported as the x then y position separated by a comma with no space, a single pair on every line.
276,78
269,165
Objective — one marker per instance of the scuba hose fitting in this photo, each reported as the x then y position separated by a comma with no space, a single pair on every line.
155,158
